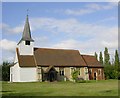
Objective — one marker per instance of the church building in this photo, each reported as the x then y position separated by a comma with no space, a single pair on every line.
34,64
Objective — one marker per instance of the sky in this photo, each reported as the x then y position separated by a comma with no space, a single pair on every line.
85,26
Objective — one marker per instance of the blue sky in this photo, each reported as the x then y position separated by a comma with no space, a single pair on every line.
85,26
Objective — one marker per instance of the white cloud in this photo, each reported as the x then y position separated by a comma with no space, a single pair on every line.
41,41
8,45
78,12
99,6
99,36
67,44
7,29
90,8
110,44
73,29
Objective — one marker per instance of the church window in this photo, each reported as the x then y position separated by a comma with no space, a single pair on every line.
90,71
86,70
61,70
27,42
99,71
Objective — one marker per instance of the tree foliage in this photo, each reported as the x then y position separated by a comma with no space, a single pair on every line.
0,73
101,58
5,71
75,75
96,56
106,57
112,71
116,58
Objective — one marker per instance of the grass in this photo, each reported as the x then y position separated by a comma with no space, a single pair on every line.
92,88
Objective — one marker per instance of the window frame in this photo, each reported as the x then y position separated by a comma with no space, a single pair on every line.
90,71
99,72
61,71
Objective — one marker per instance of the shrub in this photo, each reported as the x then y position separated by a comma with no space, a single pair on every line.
76,78
75,75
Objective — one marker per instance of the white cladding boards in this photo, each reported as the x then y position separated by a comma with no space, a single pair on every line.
26,49
15,73
28,74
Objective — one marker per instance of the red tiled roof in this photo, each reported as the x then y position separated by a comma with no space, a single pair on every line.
58,57
25,60
91,61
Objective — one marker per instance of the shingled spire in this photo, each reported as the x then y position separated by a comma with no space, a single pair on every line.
26,36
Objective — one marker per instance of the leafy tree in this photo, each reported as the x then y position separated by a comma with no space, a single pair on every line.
119,72
116,58
110,72
106,57
116,63
96,56
101,58
113,71
5,71
0,72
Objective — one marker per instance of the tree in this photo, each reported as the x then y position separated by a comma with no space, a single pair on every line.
110,72
5,71
116,58
113,72
116,63
0,73
96,56
106,57
101,58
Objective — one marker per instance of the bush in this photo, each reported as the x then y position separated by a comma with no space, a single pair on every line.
6,71
75,75
111,72
80,80
76,78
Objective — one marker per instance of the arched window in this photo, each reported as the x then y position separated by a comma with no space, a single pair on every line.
61,71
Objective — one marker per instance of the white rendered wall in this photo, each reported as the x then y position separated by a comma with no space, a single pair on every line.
28,74
15,71
25,49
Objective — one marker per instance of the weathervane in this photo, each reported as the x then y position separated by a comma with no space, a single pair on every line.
27,12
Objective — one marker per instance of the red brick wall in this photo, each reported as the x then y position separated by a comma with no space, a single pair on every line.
98,76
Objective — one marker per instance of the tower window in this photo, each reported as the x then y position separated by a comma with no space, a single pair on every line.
27,42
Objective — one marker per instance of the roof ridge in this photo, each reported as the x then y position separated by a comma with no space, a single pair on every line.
56,49
87,55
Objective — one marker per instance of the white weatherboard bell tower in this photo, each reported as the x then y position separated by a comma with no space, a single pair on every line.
24,51
26,43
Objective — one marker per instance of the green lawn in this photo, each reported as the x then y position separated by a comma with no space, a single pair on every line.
93,88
